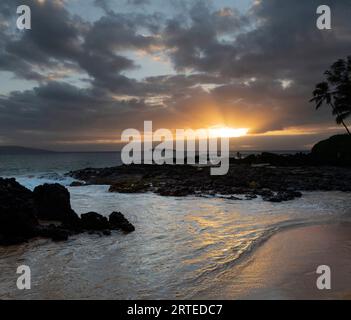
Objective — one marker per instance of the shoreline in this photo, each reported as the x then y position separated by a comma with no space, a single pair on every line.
272,183
283,267
224,228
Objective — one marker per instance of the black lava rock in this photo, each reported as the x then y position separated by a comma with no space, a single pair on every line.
93,221
118,221
53,204
55,233
18,221
21,211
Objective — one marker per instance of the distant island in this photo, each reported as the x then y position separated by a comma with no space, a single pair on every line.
12,150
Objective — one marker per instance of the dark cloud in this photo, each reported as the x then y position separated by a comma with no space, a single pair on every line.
196,38
64,111
59,37
254,69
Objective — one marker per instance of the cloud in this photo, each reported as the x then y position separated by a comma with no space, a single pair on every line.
255,69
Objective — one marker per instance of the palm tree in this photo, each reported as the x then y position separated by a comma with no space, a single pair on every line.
336,91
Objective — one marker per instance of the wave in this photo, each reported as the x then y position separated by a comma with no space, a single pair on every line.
251,247
34,180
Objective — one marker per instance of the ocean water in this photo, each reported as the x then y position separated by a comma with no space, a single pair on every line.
33,169
180,246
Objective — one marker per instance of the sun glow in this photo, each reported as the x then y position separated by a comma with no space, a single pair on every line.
227,132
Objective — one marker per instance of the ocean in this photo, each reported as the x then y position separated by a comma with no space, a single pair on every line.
180,248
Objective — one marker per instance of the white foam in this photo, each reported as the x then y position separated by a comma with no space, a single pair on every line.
32,181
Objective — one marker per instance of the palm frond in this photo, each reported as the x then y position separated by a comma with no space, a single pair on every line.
342,117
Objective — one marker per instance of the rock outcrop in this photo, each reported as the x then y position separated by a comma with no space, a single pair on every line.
248,179
118,221
18,221
94,221
53,204
23,213
334,151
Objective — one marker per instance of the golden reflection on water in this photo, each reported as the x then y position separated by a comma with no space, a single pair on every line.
181,245
285,266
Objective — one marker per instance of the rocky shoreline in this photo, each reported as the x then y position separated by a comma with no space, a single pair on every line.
274,177
46,212
268,176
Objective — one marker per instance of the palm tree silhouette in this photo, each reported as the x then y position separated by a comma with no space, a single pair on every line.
336,91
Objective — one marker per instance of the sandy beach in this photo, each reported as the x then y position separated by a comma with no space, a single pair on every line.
284,267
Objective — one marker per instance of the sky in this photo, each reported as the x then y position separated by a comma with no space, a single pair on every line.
89,69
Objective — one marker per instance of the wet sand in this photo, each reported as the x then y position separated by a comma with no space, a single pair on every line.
284,267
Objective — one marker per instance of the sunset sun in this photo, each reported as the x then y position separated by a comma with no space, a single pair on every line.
227,132
175,156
